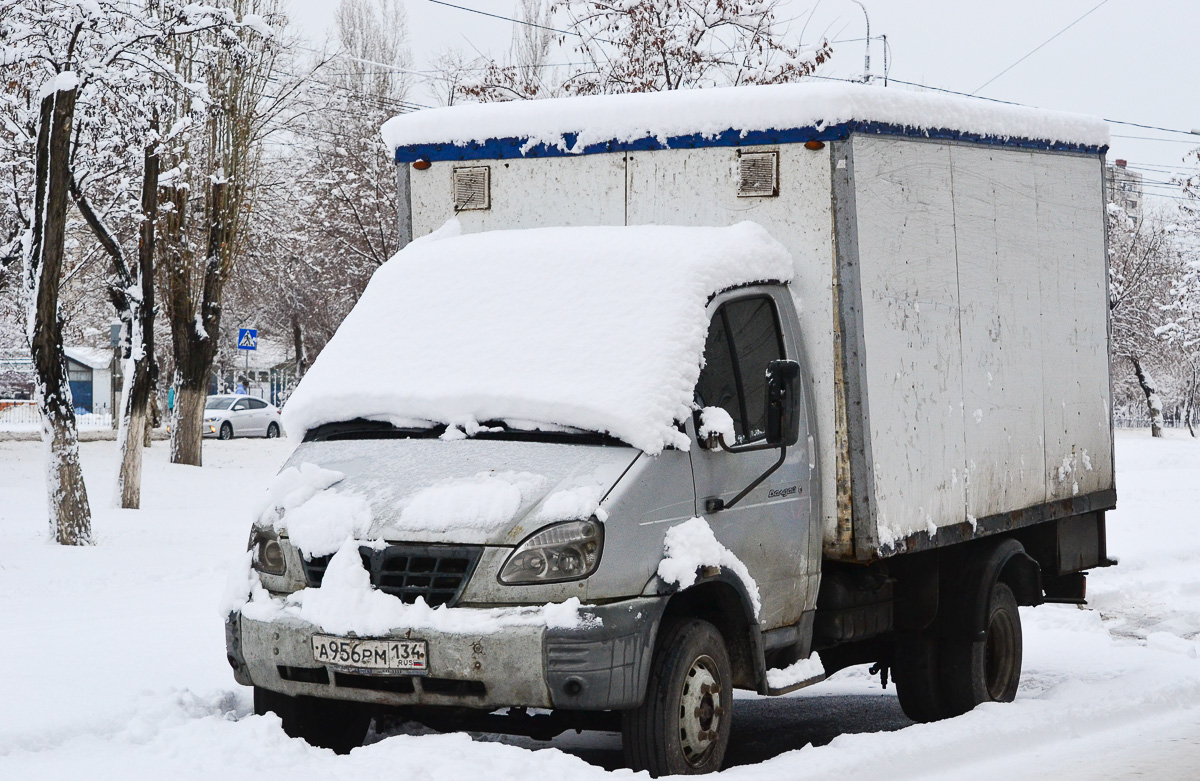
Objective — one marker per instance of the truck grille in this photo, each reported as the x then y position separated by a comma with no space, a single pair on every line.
436,573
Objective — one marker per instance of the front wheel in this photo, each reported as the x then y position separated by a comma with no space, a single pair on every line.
683,725
226,431
333,724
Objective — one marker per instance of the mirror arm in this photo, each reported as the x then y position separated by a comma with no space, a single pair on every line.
717,504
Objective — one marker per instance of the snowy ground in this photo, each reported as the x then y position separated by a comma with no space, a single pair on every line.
114,663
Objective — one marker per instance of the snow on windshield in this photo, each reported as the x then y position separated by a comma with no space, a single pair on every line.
663,115
598,328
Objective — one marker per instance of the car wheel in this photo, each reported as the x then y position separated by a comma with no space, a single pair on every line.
333,724
226,431
683,725
272,431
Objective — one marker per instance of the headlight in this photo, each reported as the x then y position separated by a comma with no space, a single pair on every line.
565,551
268,553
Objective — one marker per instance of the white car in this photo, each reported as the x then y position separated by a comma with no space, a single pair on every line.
237,415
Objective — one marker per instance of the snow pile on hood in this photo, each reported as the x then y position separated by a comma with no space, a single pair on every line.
485,501
316,517
663,115
692,545
345,602
597,328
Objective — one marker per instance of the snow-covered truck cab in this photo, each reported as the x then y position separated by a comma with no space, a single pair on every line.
817,371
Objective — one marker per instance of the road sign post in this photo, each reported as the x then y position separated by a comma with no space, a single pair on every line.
247,340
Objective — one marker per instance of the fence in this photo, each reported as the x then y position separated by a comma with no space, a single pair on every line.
1174,419
22,415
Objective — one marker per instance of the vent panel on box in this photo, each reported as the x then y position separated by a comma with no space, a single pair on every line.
472,188
758,174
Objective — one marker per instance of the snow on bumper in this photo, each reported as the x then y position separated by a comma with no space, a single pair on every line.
600,665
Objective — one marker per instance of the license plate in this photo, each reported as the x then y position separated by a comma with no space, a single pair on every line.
377,655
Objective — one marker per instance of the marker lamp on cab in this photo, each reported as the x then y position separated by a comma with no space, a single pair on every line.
564,551
267,552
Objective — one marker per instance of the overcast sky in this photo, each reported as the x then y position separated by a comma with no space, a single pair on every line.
1130,60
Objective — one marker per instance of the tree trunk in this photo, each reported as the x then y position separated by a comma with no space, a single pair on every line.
70,514
188,416
194,330
1153,403
298,345
153,418
1189,409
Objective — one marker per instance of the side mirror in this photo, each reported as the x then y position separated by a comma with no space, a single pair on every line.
783,403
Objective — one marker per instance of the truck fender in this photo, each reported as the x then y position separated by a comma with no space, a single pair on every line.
719,597
1007,562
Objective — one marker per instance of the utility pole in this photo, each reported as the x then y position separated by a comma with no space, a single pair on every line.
867,57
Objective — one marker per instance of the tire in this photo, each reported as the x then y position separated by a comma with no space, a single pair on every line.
273,431
333,724
915,669
683,725
226,431
988,669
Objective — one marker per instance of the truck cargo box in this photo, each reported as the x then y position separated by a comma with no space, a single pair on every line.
951,273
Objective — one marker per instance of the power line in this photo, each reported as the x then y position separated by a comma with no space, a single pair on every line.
1048,40
514,21
1165,140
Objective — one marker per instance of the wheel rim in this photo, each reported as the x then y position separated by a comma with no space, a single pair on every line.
272,431
1000,654
701,715
226,432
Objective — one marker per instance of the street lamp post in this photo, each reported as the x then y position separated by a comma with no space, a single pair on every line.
867,56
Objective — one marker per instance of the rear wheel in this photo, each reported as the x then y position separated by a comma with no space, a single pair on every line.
987,669
272,431
331,724
915,668
226,431
683,725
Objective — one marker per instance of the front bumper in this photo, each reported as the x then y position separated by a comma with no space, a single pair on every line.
210,429
602,666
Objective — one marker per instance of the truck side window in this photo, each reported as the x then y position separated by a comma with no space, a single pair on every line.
742,339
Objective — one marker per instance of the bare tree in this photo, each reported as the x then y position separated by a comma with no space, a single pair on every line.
1144,262
221,158
656,45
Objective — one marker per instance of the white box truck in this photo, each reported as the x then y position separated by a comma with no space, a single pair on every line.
688,392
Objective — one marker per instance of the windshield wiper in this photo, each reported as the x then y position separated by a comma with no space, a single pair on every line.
499,429
360,428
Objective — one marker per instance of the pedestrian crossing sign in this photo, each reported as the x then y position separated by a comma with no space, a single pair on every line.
247,338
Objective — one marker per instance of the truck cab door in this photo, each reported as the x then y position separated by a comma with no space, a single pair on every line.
770,529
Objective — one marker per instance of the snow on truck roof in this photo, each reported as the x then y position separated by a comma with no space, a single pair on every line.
729,116
596,328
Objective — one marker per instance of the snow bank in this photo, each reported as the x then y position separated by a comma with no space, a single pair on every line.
345,602
692,545
625,118
597,328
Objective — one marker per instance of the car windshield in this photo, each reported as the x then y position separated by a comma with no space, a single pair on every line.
216,402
